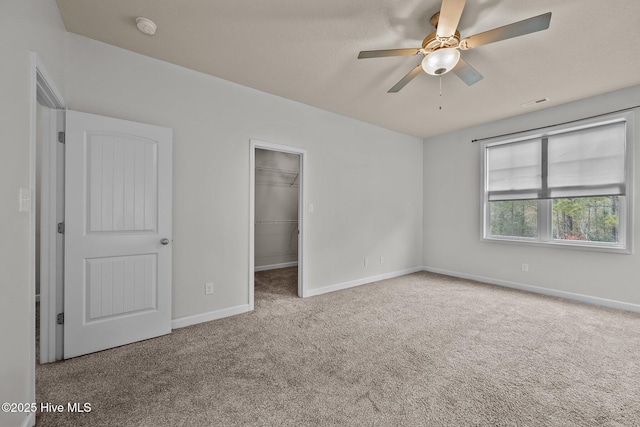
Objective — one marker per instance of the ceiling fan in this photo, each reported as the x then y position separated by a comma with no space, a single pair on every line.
441,49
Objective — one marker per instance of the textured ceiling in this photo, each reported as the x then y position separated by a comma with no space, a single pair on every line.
306,51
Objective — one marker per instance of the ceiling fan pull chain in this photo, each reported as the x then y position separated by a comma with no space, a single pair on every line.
440,93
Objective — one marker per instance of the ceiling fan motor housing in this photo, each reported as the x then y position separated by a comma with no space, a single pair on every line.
432,43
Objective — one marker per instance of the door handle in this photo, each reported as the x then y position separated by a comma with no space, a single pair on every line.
164,241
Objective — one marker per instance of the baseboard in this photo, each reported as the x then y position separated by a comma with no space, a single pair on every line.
358,282
30,420
587,299
276,266
181,322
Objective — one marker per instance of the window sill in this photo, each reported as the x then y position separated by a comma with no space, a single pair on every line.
593,247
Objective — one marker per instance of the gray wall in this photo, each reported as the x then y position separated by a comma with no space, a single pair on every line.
452,214
277,190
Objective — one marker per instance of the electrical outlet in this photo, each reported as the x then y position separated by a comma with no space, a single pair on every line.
381,260
366,262
525,267
208,288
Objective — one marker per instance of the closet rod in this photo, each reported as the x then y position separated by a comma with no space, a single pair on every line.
278,221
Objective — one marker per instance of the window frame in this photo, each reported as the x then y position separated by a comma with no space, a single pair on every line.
544,232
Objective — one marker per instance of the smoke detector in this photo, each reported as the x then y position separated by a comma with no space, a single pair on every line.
147,26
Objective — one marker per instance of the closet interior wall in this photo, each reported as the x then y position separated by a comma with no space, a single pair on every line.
276,209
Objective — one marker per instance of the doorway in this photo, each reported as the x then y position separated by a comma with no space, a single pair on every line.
277,214
104,213
48,210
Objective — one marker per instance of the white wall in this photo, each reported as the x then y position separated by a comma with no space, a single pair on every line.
25,25
364,181
452,214
277,194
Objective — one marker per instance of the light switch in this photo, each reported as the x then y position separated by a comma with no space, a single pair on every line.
310,207
25,200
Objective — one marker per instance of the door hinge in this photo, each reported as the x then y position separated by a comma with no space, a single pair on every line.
61,137
61,227
60,319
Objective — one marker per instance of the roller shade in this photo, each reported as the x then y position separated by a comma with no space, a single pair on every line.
583,163
514,170
589,162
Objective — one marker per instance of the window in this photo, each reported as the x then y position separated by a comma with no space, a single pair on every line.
566,185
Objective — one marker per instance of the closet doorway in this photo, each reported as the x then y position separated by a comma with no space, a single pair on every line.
277,218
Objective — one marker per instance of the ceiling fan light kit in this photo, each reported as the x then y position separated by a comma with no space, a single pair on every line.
441,49
441,61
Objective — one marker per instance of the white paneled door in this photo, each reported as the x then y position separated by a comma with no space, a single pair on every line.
118,236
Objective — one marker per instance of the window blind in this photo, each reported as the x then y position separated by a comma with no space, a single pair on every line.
515,170
582,163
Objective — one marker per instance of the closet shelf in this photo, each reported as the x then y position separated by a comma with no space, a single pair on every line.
276,170
288,176
278,221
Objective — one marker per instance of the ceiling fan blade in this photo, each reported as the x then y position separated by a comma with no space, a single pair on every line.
450,13
467,73
527,26
406,79
388,52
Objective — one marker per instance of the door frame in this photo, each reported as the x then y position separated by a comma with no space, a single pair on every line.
48,96
42,89
51,242
302,213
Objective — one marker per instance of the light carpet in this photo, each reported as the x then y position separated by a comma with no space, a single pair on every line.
418,350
